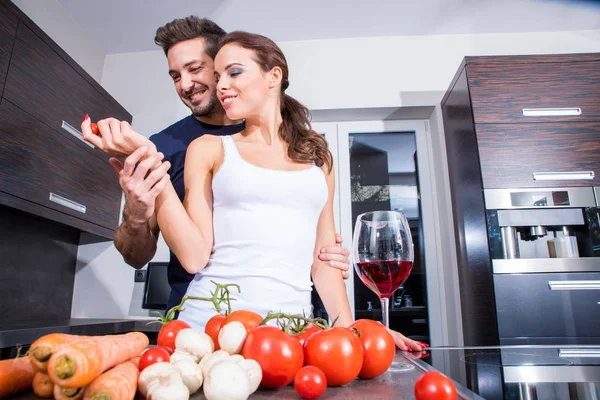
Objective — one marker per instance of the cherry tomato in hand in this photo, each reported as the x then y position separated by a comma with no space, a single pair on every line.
167,334
153,356
310,382
434,386
212,328
94,128
378,345
337,352
279,355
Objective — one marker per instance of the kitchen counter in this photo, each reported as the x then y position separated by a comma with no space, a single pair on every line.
391,385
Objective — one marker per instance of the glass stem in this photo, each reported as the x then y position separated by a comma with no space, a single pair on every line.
385,311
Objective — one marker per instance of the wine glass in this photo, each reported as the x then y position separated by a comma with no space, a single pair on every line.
383,254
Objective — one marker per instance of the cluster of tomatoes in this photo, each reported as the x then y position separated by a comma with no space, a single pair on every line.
312,358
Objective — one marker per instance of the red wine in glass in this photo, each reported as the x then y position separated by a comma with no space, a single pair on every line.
383,277
382,252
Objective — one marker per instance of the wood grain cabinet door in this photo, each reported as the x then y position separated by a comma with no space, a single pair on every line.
500,92
510,153
43,84
8,29
52,171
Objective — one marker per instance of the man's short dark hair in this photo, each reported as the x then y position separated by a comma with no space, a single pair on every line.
191,27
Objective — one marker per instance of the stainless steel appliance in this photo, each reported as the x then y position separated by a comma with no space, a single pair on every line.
545,251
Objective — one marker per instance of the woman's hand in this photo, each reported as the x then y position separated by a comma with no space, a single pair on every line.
116,138
406,344
337,256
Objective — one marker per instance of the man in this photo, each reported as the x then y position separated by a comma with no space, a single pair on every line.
190,45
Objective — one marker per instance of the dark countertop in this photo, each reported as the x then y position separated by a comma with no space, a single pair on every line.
25,333
389,386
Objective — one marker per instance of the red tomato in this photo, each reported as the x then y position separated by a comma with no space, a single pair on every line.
306,333
249,319
212,328
152,356
280,356
378,346
94,128
310,382
167,334
337,352
168,349
434,386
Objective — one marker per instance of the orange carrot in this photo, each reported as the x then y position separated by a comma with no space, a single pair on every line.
43,386
41,350
16,375
118,383
78,363
61,393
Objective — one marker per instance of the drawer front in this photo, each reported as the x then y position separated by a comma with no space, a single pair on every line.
548,305
52,170
40,82
500,93
511,153
8,29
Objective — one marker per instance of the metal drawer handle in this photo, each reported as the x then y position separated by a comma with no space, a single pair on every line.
574,285
551,112
67,203
563,176
579,353
65,125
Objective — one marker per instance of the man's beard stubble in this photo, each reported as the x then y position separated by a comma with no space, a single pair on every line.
205,110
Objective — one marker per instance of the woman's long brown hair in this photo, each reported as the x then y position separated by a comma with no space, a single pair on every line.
304,144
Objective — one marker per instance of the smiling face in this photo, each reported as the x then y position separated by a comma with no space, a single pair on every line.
192,71
242,86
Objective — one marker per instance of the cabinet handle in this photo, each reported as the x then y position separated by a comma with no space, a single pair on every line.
595,353
551,112
563,176
63,201
574,285
65,125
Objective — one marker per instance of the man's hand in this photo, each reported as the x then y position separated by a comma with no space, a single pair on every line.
116,138
406,344
142,182
337,256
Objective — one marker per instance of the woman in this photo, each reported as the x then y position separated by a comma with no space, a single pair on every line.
259,198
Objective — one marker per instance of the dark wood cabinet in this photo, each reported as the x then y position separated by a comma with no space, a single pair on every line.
511,153
491,144
40,82
45,168
501,91
54,172
8,29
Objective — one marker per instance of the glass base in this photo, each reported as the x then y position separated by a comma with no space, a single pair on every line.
400,367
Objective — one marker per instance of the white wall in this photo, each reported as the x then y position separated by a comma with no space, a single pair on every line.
67,33
327,74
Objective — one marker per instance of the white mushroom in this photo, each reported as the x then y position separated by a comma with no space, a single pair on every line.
191,374
226,381
232,337
194,342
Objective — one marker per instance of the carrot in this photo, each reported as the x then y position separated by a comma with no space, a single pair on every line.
118,383
16,375
78,363
42,385
61,393
41,350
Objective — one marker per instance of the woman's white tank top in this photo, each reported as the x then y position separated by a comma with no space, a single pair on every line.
265,226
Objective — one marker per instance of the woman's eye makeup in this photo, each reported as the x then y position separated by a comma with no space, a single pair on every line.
235,72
